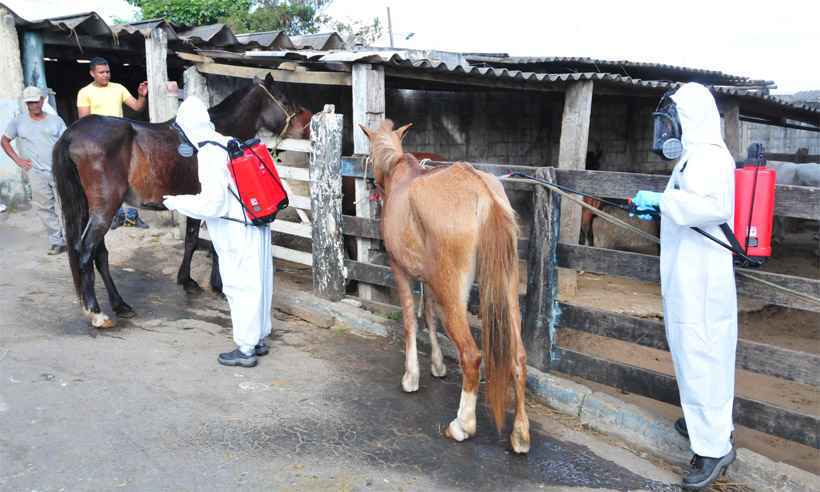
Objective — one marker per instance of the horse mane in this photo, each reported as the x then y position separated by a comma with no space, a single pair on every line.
386,151
229,103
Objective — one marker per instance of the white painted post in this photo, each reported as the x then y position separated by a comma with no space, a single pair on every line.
195,84
572,154
368,110
162,106
329,271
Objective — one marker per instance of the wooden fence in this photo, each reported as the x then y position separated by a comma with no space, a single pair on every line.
544,314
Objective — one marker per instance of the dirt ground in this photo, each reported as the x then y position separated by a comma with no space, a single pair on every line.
145,406
782,327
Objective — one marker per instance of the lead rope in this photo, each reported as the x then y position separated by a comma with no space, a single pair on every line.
288,116
649,237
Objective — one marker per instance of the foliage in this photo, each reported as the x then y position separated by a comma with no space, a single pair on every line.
191,12
291,16
294,17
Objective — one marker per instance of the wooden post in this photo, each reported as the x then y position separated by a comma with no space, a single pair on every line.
329,271
542,287
572,154
368,110
34,67
161,105
195,84
731,128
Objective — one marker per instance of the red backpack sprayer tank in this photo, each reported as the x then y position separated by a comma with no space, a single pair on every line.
257,181
754,204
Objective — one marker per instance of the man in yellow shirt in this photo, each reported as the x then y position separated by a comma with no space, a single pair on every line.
106,98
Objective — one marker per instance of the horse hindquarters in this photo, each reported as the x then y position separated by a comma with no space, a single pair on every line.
503,348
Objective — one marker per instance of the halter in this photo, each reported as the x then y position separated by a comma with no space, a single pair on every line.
288,116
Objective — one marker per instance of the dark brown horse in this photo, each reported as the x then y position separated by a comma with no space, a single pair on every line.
101,162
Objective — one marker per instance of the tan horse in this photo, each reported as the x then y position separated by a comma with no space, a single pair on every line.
440,225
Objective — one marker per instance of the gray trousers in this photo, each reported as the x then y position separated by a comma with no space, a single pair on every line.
44,197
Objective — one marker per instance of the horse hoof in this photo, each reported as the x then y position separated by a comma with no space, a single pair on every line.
520,439
438,370
410,382
100,320
125,311
455,432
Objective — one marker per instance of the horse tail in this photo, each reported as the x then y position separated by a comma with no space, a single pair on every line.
72,200
498,288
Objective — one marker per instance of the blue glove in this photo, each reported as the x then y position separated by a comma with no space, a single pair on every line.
646,201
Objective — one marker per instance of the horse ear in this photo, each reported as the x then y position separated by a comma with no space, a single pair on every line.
269,79
402,130
367,132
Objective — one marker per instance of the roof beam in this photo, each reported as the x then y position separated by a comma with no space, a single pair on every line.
206,65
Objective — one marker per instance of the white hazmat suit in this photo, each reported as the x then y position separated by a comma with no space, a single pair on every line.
245,260
697,275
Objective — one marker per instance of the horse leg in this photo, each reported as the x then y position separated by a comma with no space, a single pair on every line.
520,438
410,380
216,277
191,239
437,367
118,305
95,230
454,312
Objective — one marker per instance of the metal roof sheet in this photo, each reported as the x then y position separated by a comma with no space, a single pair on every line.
320,41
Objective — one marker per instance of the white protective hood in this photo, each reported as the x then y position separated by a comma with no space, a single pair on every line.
699,116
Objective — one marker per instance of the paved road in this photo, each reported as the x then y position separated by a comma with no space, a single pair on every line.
145,406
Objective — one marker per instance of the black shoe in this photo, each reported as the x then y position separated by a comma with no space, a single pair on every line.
119,219
680,426
704,471
261,348
237,358
56,250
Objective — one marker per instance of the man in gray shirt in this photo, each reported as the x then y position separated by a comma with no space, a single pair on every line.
36,133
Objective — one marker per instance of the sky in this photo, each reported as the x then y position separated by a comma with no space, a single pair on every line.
776,41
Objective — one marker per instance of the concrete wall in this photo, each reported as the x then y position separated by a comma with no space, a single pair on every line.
780,140
11,87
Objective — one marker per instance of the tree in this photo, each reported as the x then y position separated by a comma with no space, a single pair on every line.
191,12
294,16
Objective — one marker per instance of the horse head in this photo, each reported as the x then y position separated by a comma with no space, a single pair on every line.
385,148
279,114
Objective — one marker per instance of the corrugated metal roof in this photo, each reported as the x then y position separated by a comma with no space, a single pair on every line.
633,69
320,41
269,39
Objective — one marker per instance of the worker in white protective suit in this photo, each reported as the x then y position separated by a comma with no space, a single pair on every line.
697,275
245,260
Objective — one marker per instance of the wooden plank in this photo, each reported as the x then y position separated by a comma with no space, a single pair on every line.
790,201
319,78
572,154
193,57
459,81
361,227
797,157
300,212
162,106
756,415
369,273
326,200
756,357
646,268
293,255
368,110
298,201
542,288
294,173
292,228
291,144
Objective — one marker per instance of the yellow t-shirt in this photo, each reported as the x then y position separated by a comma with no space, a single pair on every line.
105,101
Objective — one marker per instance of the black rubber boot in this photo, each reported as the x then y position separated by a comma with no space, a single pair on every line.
680,426
261,348
237,358
705,470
